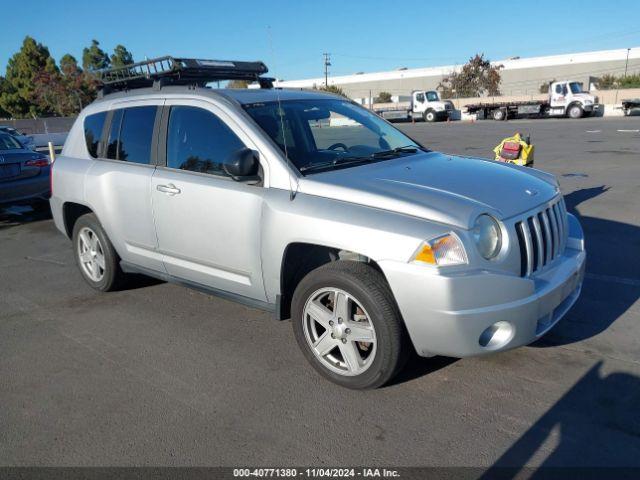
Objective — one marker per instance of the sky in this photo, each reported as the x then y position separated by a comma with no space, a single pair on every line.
290,36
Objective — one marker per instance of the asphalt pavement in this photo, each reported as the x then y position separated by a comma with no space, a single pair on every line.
163,375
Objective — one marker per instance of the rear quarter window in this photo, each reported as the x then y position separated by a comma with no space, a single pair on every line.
93,125
131,134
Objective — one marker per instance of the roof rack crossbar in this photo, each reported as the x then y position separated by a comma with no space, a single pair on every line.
180,71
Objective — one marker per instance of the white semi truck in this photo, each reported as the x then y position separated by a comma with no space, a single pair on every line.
425,105
566,99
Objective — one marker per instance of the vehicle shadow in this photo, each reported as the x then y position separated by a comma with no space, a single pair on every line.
595,425
14,215
612,283
417,367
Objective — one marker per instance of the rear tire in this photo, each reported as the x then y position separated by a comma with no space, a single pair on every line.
97,260
499,114
360,294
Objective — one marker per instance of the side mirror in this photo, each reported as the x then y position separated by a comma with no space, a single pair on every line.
243,166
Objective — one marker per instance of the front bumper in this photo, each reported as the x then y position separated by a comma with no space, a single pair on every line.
452,315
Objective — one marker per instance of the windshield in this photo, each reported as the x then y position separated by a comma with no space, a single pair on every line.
575,87
432,97
7,142
323,134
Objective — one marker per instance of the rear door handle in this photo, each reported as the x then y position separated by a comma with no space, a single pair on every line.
169,189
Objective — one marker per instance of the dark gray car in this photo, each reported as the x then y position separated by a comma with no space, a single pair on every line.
24,174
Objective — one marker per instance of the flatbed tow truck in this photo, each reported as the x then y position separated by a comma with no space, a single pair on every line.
425,105
566,98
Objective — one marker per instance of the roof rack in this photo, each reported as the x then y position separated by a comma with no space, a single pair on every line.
180,71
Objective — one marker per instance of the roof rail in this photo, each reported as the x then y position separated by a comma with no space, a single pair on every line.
180,71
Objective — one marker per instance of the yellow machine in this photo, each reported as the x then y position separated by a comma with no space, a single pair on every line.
516,150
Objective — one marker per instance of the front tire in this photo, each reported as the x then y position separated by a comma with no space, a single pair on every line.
575,111
348,325
430,116
97,260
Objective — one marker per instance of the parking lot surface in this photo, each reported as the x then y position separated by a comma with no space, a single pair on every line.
163,375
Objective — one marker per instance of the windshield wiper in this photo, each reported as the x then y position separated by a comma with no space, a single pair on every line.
338,162
395,151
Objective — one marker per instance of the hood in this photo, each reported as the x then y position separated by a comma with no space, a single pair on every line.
442,188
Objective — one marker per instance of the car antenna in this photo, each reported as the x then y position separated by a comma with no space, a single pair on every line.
292,191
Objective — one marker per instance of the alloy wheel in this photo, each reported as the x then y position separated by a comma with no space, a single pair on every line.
339,331
91,254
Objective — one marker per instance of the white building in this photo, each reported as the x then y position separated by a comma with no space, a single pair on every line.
520,76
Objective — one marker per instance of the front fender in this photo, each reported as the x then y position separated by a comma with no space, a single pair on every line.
377,234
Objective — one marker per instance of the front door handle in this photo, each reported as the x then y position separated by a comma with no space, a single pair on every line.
169,189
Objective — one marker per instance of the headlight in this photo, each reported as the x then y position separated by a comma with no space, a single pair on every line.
444,250
487,235
439,108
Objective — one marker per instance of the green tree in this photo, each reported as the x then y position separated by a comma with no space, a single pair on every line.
3,86
630,81
607,82
19,92
332,89
476,78
69,65
238,84
384,97
94,58
121,56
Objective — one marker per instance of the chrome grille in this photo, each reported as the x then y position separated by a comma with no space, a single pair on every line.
542,237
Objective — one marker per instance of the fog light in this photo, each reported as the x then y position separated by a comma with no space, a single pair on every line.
497,335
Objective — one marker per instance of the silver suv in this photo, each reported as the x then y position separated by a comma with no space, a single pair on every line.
308,205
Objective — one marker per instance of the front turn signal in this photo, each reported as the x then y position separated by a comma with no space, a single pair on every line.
441,251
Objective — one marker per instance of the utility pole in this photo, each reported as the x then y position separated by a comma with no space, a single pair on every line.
327,64
626,64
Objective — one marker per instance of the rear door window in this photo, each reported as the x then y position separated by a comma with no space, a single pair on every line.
93,125
199,141
131,134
